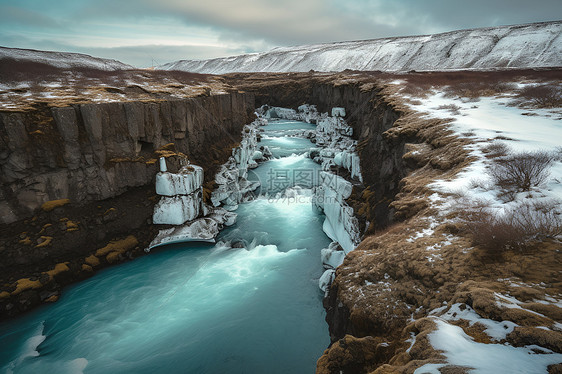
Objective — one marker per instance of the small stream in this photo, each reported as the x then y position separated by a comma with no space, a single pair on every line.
199,308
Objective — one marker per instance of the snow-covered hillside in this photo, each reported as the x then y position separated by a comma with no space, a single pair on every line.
519,46
63,60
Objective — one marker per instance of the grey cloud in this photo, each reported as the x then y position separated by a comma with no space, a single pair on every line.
440,16
291,22
279,23
14,15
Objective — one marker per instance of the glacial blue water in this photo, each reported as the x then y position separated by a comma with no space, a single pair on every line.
195,308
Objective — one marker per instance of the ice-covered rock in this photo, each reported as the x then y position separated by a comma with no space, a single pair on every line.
350,161
186,181
333,256
202,229
342,187
182,201
338,112
331,128
308,113
305,108
332,136
163,167
223,216
326,280
266,151
228,173
285,113
181,195
258,155
176,210
233,186
340,223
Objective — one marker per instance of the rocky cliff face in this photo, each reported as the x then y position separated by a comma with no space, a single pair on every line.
97,151
73,178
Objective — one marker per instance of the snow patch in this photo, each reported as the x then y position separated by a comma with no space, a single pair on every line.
460,349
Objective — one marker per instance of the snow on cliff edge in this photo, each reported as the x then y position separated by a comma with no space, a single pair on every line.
63,60
518,46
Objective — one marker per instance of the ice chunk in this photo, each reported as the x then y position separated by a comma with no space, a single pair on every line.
285,113
163,167
202,229
326,279
257,155
177,210
332,257
342,187
338,112
187,181
223,216
340,224
350,161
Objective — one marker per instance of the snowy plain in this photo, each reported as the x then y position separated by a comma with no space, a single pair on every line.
493,120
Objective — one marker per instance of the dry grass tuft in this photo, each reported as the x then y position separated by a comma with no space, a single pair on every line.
517,228
522,171
542,96
496,149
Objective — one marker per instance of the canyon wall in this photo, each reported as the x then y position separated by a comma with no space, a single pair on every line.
77,183
369,113
97,151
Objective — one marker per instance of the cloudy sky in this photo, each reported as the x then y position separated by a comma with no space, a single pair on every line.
139,32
